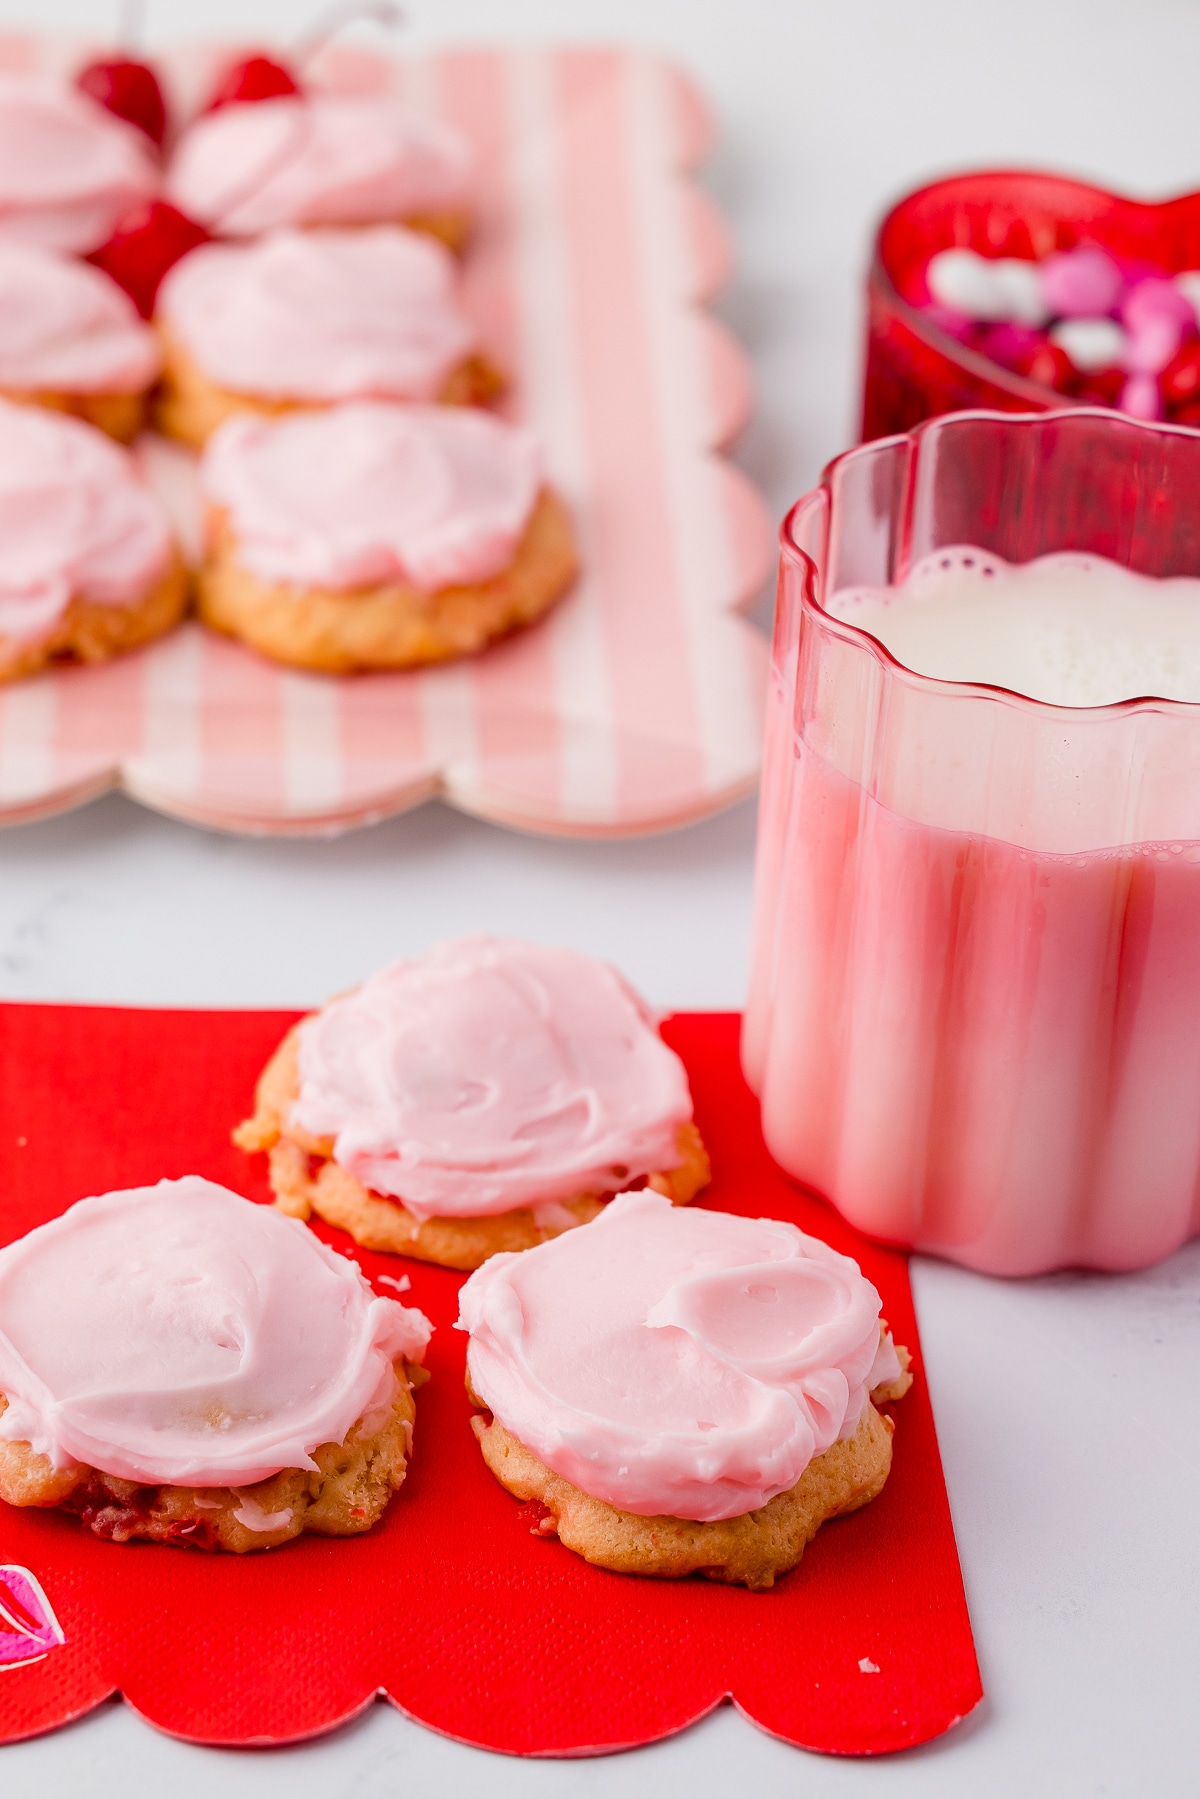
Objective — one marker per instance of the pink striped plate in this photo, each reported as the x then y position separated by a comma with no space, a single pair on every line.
637,704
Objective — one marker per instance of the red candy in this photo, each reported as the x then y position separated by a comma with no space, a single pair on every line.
128,89
1012,345
1052,367
1181,377
1102,387
254,78
144,246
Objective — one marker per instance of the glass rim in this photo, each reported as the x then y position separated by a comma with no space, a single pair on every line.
858,638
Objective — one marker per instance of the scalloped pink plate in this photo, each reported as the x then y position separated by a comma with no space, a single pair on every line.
636,704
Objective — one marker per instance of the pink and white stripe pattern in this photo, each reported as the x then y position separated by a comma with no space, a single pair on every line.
637,703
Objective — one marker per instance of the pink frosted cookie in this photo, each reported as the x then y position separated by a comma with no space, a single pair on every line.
69,169
485,1097
307,318
322,159
71,339
682,1392
88,566
179,1365
376,535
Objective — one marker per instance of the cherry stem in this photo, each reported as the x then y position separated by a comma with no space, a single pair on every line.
335,18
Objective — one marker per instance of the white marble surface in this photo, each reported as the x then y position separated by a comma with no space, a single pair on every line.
1066,1407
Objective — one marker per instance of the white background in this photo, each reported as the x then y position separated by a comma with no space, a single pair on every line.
1066,1407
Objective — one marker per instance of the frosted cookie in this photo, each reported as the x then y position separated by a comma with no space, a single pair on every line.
182,1366
322,159
71,339
88,566
375,535
307,318
682,1392
486,1097
69,168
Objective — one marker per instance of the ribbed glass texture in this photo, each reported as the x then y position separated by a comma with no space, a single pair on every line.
974,1014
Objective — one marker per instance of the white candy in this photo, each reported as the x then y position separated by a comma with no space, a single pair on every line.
998,290
1019,288
1188,284
961,280
1090,343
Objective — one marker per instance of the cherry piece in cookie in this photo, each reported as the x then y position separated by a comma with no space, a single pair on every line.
130,90
254,78
147,242
225,1381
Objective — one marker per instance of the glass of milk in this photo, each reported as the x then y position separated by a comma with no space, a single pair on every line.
974,1013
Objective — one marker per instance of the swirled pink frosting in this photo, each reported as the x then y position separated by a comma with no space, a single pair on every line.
76,518
68,168
490,1075
674,1360
321,315
317,159
371,491
66,327
178,1333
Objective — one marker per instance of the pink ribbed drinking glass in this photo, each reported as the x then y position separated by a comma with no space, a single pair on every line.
974,1013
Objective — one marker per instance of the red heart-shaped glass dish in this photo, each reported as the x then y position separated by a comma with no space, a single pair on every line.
914,369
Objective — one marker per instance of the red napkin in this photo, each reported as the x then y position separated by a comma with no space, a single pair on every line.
451,1607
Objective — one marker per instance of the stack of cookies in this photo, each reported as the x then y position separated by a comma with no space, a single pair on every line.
365,509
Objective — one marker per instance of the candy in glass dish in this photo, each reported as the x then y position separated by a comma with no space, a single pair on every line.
976,971
1029,292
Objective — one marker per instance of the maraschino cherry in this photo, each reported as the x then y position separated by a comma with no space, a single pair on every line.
262,77
146,243
130,90
125,86
255,77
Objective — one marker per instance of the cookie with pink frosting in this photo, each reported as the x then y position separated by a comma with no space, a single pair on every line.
69,168
88,563
484,1098
377,535
322,159
181,1366
308,318
72,340
682,1392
